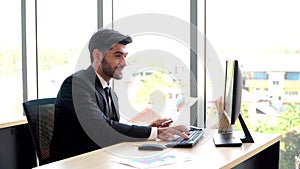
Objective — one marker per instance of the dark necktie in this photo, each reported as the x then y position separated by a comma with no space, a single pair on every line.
110,101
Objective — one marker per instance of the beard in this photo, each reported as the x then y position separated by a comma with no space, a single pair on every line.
110,71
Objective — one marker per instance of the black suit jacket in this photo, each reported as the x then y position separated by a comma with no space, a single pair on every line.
81,121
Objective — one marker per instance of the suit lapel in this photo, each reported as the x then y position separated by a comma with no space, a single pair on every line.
101,93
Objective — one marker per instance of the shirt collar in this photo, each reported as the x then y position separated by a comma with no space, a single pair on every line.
103,82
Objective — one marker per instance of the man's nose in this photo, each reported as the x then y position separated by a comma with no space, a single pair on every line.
124,61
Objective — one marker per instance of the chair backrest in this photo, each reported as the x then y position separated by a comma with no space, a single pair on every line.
40,117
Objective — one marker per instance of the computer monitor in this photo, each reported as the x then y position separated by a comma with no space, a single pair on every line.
233,90
232,106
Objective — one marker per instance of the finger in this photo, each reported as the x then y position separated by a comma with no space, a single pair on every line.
181,131
166,123
164,119
183,135
183,128
157,122
165,136
170,136
161,120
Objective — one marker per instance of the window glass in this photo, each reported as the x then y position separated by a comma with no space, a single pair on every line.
158,62
63,30
11,91
264,36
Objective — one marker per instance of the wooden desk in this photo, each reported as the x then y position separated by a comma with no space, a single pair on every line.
12,121
264,153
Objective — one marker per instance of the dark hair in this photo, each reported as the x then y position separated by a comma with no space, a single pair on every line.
104,39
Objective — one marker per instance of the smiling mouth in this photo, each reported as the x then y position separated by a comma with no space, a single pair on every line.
119,71
120,68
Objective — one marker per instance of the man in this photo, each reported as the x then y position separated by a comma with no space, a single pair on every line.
86,117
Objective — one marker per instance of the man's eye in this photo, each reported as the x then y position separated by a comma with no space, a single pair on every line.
120,55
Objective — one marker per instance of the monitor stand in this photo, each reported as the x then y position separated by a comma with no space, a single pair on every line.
227,140
231,139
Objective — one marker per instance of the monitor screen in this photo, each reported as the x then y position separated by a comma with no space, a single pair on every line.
233,90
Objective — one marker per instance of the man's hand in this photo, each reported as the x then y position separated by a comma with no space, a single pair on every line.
163,122
167,133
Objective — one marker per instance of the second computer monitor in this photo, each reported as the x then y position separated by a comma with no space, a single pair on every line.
232,106
233,90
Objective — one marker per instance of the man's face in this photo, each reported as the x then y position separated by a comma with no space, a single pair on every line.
114,61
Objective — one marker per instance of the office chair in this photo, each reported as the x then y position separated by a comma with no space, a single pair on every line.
40,117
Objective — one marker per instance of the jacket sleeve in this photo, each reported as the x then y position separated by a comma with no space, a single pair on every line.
98,127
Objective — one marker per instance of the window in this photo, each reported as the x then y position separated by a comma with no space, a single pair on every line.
263,40
49,48
156,49
10,59
61,37
232,30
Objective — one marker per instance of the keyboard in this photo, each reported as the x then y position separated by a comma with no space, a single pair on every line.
194,137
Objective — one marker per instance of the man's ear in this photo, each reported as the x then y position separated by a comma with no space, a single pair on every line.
97,55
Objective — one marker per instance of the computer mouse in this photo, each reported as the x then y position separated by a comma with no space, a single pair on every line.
151,146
